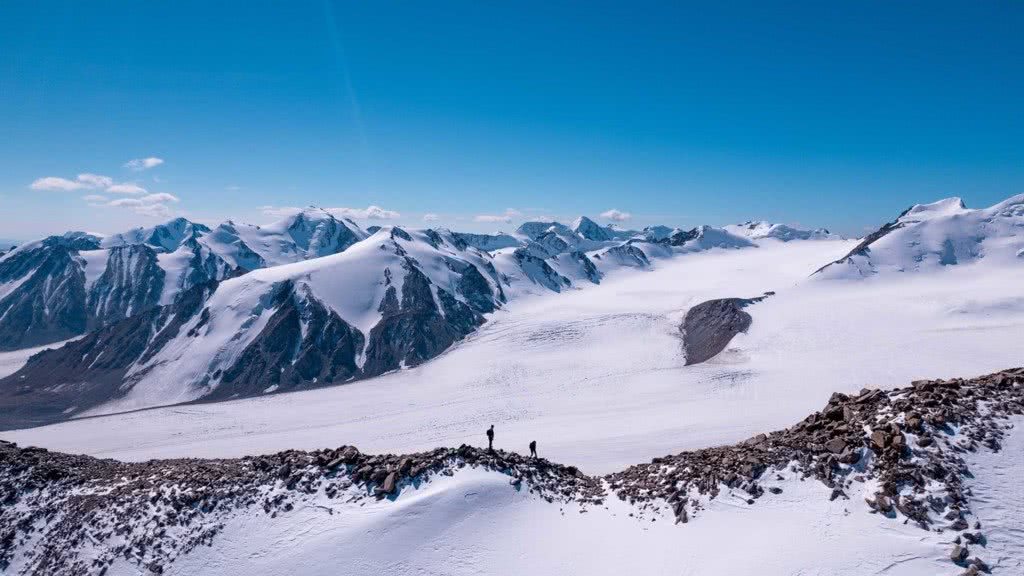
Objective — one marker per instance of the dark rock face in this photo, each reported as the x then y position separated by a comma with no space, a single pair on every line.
539,271
485,242
590,230
551,243
709,327
53,303
131,282
205,267
282,359
416,329
587,266
57,384
49,304
303,344
680,237
628,255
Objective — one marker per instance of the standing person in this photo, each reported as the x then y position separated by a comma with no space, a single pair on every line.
490,438
533,449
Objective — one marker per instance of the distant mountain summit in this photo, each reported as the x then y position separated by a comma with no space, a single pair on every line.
932,236
761,229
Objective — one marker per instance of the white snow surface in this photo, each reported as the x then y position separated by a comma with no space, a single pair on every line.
597,376
475,522
762,229
941,234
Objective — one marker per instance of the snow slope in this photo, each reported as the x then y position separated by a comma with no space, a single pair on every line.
475,523
597,376
943,233
761,229
547,368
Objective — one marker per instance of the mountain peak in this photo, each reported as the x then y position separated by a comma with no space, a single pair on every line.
937,209
591,230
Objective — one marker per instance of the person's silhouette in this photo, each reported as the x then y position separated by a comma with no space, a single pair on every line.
533,448
490,438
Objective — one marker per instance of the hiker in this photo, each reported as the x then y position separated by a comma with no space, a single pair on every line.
533,449
490,438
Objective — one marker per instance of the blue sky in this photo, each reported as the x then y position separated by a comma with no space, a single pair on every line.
811,113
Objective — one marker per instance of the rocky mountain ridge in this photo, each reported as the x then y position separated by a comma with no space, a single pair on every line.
901,451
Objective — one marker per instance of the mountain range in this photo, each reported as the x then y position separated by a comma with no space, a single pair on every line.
182,312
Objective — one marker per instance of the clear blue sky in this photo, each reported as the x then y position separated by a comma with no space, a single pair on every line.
814,113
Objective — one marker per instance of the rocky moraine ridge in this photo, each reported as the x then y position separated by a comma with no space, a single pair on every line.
905,449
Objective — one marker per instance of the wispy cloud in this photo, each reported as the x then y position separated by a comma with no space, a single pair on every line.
153,205
431,217
81,182
140,164
159,197
141,201
368,213
95,180
126,188
616,215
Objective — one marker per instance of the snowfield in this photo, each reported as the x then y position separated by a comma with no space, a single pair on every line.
474,522
597,375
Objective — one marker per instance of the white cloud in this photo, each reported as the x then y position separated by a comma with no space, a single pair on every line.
94,198
81,182
507,217
491,218
431,217
55,183
153,205
369,213
126,202
616,215
159,197
95,180
140,164
126,188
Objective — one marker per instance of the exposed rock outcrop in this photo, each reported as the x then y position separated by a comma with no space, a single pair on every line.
709,326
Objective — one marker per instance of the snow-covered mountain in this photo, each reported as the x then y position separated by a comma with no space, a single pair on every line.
64,286
762,229
394,300
182,312
43,291
931,236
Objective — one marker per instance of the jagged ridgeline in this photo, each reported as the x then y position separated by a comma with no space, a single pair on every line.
182,312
